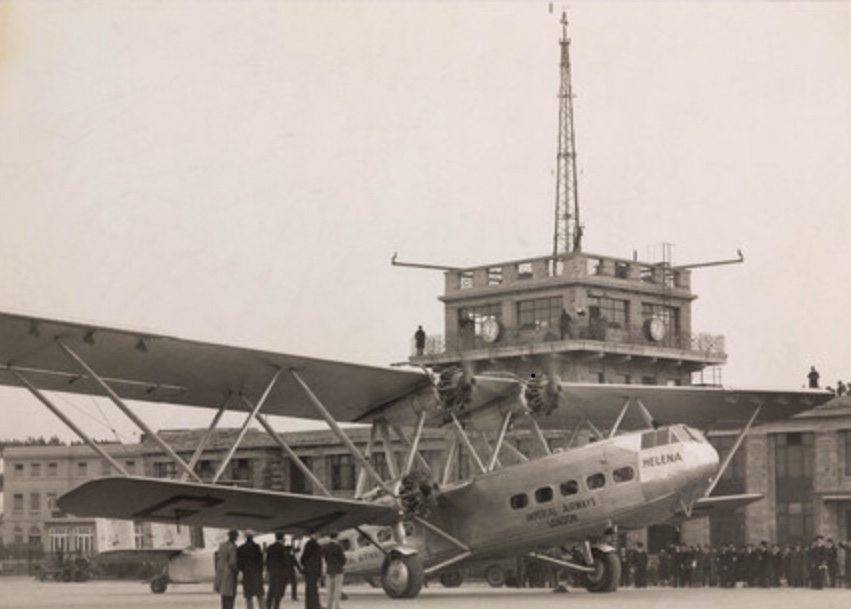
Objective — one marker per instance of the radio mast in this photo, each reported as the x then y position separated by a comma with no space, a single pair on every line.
568,230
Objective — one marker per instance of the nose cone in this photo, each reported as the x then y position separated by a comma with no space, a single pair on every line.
700,464
680,470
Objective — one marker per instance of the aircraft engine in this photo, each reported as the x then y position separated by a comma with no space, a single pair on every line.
454,389
542,394
418,494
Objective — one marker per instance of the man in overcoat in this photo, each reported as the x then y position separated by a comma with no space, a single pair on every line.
226,570
311,566
249,558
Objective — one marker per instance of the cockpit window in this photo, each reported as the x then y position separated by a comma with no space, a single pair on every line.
658,437
680,433
385,535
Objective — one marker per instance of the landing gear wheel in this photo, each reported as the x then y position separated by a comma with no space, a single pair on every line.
495,576
159,584
402,576
451,579
607,572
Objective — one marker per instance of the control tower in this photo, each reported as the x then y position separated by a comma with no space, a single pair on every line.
588,318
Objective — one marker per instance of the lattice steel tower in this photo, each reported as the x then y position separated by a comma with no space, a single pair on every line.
568,230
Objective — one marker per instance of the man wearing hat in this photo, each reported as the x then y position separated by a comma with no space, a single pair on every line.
281,566
226,570
249,558
311,566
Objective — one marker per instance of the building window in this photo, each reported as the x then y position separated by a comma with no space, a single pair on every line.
472,319
82,469
130,466
19,535
165,469
18,503
52,509
52,470
540,313
139,535
57,537
466,280
240,470
105,468
794,522
794,455
35,503
35,470
495,275
524,270
205,469
612,312
342,472
19,470
846,434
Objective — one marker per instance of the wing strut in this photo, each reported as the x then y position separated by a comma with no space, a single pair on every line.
252,415
206,439
729,456
360,487
292,455
126,410
622,414
83,436
414,445
463,435
450,461
341,435
500,440
389,451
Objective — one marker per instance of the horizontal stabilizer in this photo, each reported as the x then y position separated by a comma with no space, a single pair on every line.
706,505
209,505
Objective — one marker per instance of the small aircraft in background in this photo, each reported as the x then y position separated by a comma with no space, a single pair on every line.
647,462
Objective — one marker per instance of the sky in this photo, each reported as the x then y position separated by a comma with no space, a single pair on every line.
243,172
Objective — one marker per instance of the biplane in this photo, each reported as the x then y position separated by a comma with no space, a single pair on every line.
646,462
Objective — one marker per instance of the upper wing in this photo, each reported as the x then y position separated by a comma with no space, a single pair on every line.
701,407
209,505
147,367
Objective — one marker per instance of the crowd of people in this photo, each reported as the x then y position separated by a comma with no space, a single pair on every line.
821,564
279,565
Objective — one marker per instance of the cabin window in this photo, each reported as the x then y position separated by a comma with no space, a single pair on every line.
519,501
544,494
595,481
384,535
346,544
363,540
571,487
623,474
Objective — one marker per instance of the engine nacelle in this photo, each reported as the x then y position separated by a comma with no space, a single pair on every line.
542,395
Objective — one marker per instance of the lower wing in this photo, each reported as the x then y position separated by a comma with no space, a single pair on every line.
172,501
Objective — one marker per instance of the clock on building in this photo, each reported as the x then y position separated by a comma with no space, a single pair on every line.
490,330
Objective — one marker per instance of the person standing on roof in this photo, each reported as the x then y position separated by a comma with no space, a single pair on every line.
420,340
813,377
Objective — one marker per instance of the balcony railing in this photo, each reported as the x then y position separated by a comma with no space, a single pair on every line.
709,344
